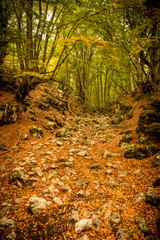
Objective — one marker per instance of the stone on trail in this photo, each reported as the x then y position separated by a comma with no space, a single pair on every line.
82,153
96,221
36,131
115,218
11,236
74,217
139,197
84,237
57,200
111,183
5,222
142,224
121,174
123,234
83,225
37,203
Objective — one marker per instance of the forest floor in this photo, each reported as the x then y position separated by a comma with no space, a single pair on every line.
71,172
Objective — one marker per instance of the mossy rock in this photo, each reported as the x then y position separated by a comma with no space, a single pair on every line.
125,139
140,152
153,130
146,118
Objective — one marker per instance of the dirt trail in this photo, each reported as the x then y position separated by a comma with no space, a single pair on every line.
88,181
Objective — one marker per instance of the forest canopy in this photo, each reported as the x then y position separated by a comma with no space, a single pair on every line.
97,51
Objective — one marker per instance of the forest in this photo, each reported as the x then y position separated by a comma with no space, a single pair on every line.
97,51
79,119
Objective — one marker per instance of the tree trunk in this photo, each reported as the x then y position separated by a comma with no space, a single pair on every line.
29,16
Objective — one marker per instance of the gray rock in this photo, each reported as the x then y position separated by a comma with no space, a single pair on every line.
61,132
82,153
83,225
37,203
107,214
8,113
74,217
150,192
11,236
4,211
36,131
109,172
57,200
96,221
123,234
107,154
59,143
95,166
111,183
121,174
5,222
87,193
18,174
116,218
66,188
142,224
82,183
80,193
139,197
84,237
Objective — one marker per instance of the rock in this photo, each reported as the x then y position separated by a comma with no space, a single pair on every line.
82,183
74,217
18,174
107,214
111,183
123,234
138,152
115,218
37,203
57,200
11,236
139,197
96,221
109,172
66,188
107,154
5,222
59,143
87,193
121,174
84,237
82,153
4,211
95,166
83,225
61,132
8,113
125,139
114,166
36,132
80,193
142,224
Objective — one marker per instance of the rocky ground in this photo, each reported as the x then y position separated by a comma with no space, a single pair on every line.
69,179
